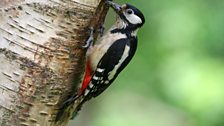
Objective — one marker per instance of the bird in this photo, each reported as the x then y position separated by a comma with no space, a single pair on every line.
110,54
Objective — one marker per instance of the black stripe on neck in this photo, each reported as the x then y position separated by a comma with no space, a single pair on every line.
123,31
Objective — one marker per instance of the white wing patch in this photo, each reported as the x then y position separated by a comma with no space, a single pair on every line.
134,33
124,56
100,70
95,77
107,82
101,47
86,92
90,85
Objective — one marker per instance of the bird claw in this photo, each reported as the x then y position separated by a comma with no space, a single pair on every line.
101,30
90,39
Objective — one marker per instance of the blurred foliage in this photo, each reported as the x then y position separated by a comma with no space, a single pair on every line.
177,76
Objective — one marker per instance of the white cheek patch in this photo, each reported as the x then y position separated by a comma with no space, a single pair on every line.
134,19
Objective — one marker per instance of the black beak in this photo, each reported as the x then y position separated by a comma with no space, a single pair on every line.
117,8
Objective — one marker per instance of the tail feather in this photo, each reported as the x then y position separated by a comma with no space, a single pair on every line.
63,109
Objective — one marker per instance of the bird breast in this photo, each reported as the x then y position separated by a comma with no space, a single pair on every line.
102,45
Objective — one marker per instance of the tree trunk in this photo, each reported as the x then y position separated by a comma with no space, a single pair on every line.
41,62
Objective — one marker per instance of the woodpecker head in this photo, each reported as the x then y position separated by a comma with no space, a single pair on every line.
131,17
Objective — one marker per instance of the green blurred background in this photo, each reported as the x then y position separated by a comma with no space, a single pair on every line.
177,75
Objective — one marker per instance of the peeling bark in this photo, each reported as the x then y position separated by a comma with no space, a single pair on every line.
41,62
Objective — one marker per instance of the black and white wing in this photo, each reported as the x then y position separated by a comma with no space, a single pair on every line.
111,64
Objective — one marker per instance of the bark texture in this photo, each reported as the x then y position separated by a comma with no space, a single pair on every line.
41,61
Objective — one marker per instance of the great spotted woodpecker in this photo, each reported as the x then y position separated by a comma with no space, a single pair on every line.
113,51
111,54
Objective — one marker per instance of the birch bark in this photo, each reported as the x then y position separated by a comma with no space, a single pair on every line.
41,61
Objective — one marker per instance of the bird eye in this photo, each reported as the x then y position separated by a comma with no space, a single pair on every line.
129,11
